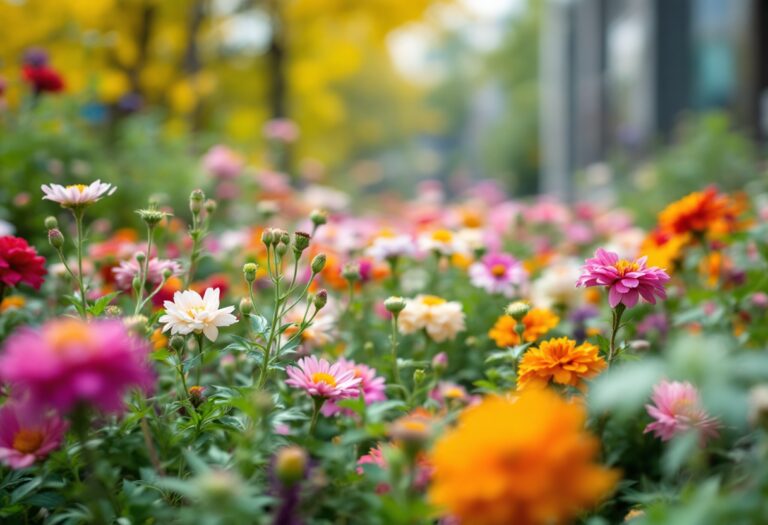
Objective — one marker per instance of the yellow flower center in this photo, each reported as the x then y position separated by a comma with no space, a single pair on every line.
80,187
624,266
412,425
442,236
498,270
432,300
322,377
12,301
27,440
192,312
453,393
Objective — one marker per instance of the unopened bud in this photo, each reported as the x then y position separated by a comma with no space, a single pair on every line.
291,464
517,309
281,249
56,238
167,273
136,283
51,223
196,395
246,306
151,216
140,257
394,305
321,299
440,362
419,376
210,206
300,241
176,343
318,263
318,217
196,199
249,272
285,238
351,272
113,311
267,237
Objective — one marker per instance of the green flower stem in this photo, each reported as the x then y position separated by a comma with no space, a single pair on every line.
615,326
318,404
78,213
144,272
200,340
394,344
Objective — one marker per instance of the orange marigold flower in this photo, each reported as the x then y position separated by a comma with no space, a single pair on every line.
529,460
537,322
664,249
561,361
701,212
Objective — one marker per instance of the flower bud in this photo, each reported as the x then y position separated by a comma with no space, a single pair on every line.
419,376
291,464
369,347
246,306
249,271
136,323
351,272
140,257
196,395
196,199
412,430
281,249
56,238
318,263
758,406
151,216
210,206
440,362
176,343
267,237
285,238
51,223
136,283
321,299
167,273
517,309
318,217
113,311
300,241
394,305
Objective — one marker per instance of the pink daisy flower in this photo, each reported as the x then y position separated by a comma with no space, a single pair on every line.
127,270
371,386
498,273
322,379
676,409
70,361
26,435
222,162
627,281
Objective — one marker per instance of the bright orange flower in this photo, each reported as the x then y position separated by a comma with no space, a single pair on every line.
560,361
664,249
526,461
12,301
701,213
537,322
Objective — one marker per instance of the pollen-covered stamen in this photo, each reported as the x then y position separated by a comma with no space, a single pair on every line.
27,440
323,377
624,266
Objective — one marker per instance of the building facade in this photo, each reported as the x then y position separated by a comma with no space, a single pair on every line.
618,74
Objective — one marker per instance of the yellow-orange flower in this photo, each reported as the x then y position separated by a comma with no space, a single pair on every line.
700,213
664,249
12,301
537,322
526,461
561,361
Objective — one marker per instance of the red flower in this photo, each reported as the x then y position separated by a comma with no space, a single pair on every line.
20,263
43,78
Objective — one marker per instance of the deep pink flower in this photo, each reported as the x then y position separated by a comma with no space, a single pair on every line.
676,409
70,361
498,273
322,379
127,270
26,435
627,281
373,457
20,263
371,386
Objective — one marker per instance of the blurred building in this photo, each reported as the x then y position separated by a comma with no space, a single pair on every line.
618,74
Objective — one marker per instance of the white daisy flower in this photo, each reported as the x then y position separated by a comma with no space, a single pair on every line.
441,319
385,247
444,242
77,195
188,312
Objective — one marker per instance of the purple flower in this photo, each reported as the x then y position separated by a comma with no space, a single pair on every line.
627,281
498,273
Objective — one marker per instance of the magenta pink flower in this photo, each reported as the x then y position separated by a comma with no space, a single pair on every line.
125,273
20,263
371,386
27,435
498,273
322,379
627,281
373,457
676,409
70,361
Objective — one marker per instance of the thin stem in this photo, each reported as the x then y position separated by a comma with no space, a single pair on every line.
144,272
318,404
615,326
78,213
393,337
200,341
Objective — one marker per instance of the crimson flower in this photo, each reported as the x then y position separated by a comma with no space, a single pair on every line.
20,263
43,78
